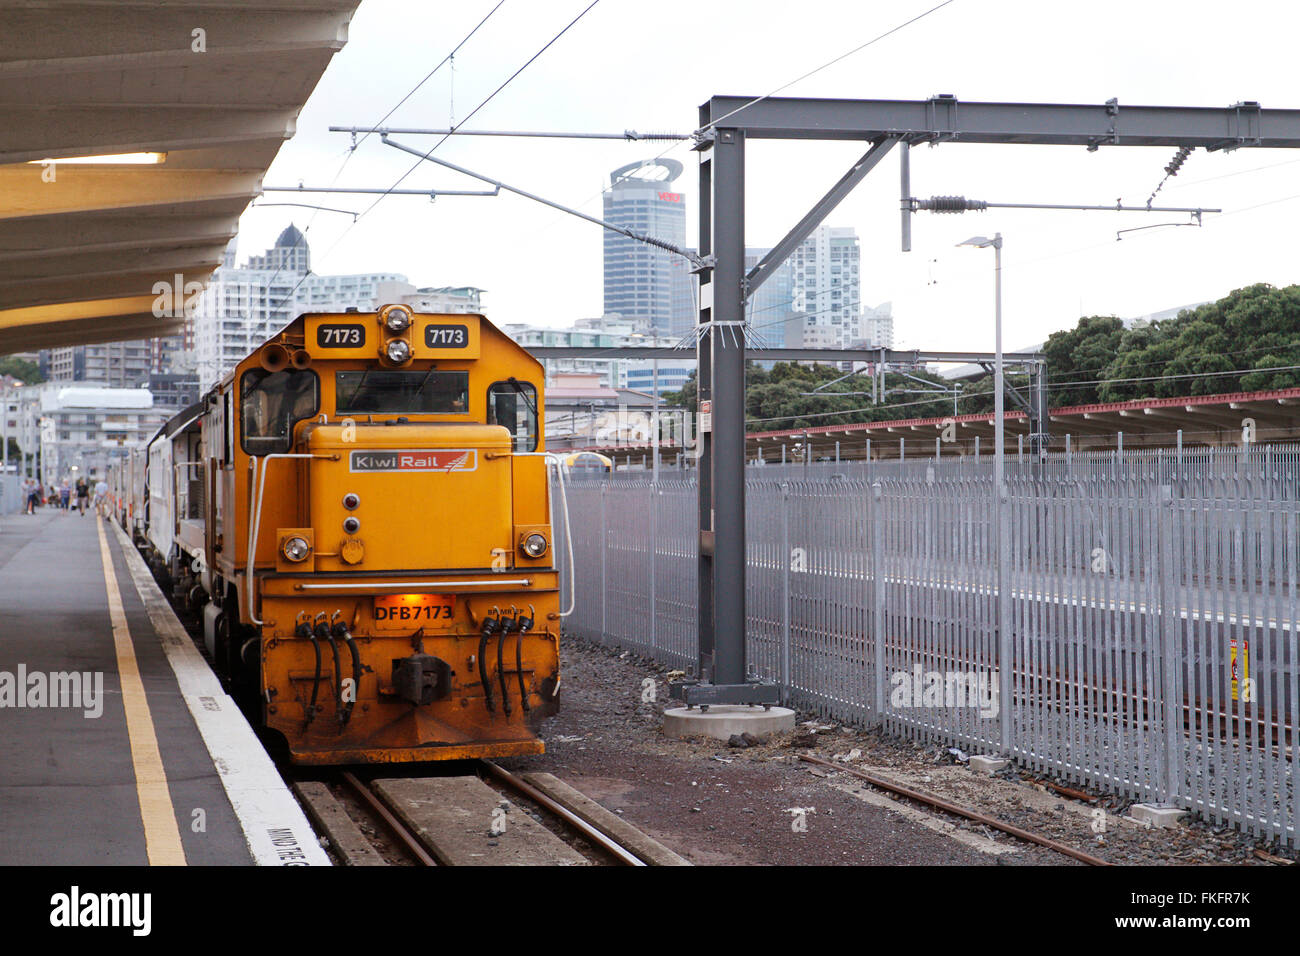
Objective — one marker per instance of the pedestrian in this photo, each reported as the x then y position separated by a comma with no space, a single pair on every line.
83,493
33,490
65,495
101,498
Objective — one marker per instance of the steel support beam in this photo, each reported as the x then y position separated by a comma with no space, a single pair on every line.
873,356
726,462
726,123
944,118
781,251
721,380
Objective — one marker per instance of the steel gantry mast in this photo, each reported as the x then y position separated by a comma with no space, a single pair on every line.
727,123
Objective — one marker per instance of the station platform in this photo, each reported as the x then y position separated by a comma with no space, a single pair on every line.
118,745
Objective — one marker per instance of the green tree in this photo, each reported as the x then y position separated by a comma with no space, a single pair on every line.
1078,357
26,372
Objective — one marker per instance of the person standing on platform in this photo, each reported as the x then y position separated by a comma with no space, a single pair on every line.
83,492
65,495
101,498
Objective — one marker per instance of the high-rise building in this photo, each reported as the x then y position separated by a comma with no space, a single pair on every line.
125,364
606,332
640,278
243,307
450,299
825,287
877,328
770,310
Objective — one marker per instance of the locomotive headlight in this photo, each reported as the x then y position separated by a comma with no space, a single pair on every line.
351,501
397,319
535,545
351,525
398,351
295,548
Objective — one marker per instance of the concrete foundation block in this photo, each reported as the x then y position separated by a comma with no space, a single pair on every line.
1151,815
721,721
982,764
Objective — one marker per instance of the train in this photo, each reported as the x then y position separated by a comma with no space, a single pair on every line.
587,463
360,514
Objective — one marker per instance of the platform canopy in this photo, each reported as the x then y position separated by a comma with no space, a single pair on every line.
191,99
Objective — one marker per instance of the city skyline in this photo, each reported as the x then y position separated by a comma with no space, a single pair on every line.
1057,265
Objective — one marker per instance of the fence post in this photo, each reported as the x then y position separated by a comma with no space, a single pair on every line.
785,592
878,597
1171,759
1004,624
604,550
654,560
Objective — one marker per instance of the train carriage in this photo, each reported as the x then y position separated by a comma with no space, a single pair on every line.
363,507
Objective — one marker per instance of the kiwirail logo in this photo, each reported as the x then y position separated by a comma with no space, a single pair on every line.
37,690
76,909
976,690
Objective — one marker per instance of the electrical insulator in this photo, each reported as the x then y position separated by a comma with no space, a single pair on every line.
953,204
1180,157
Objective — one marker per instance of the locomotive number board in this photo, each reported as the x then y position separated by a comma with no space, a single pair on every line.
340,335
404,612
439,336
447,337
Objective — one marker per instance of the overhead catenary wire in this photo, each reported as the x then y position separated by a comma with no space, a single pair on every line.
488,99
622,230
713,123
352,151
787,85
628,135
389,191
1050,388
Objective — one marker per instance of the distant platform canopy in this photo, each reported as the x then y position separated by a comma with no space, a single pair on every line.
133,135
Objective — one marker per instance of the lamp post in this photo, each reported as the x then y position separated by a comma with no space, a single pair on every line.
981,242
999,494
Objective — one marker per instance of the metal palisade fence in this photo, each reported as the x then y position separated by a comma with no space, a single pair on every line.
1144,640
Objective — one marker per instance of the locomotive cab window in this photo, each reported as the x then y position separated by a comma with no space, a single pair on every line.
514,405
270,403
430,392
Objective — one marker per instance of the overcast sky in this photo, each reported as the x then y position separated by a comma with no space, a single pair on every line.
648,66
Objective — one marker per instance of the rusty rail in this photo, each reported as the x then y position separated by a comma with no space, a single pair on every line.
585,829
404,836
940,804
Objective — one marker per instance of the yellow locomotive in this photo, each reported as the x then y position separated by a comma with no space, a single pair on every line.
361,513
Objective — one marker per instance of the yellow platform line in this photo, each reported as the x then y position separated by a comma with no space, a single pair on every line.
162,838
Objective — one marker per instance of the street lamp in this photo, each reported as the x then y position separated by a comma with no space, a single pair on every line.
981,242
999,493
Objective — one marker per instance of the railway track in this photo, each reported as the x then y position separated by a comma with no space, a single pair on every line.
490,817
946,806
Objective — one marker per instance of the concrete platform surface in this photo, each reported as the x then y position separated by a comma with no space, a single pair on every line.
102,759
723,720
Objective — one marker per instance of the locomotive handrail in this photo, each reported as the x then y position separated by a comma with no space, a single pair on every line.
255,518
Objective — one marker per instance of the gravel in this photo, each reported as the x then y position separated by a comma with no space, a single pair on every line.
717,802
